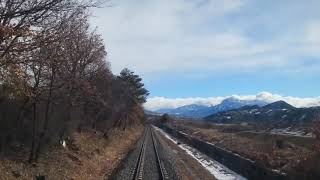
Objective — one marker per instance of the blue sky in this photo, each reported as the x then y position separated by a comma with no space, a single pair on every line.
242,84
211,48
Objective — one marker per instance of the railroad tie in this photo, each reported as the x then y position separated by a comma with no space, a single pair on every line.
165,172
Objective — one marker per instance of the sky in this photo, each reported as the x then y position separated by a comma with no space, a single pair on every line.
191,49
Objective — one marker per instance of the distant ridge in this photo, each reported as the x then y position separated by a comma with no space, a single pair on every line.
280,114
201,111
279,105
192,111
234,103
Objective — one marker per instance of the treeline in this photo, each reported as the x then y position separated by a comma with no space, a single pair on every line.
54,77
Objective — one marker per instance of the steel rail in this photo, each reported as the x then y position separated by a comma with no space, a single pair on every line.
138,171
163,172
139,167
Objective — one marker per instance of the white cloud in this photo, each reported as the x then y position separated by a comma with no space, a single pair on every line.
155,103
157,36
160,36
312,33
310,41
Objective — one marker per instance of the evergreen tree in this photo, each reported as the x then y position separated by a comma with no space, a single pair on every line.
134,85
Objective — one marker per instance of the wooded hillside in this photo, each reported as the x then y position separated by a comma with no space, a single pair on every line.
54,77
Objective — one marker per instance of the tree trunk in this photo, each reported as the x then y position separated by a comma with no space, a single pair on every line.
125,122
117,120
2,144
46,119
20,115
85,120
34,133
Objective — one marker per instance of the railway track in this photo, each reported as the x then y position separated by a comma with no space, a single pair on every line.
140,172
149,160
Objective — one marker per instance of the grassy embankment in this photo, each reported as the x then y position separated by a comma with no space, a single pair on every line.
90,155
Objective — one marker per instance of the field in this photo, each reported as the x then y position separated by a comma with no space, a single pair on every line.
295,156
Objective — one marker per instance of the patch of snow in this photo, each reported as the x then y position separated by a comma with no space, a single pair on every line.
284,116
291,132
278,171
257,112
303,117
215,168
228,117
165,134
218,170
309,134
63,143
269,111
183,133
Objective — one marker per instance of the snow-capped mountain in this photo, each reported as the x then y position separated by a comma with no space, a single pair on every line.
234,103
200,111
192,110
279,114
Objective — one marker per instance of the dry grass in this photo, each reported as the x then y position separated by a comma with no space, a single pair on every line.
260,147
89,156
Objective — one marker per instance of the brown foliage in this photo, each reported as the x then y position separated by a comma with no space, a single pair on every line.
54,77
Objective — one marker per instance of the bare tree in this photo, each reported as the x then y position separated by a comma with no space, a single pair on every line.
54,76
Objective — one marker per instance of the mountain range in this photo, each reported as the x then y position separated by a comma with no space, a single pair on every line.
201,111
280,114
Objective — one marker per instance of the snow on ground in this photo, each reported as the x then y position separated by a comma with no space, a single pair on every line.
303,117
215,168
269,111
291,132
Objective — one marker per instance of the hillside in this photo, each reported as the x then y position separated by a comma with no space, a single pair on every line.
279,105
87,155
278,113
